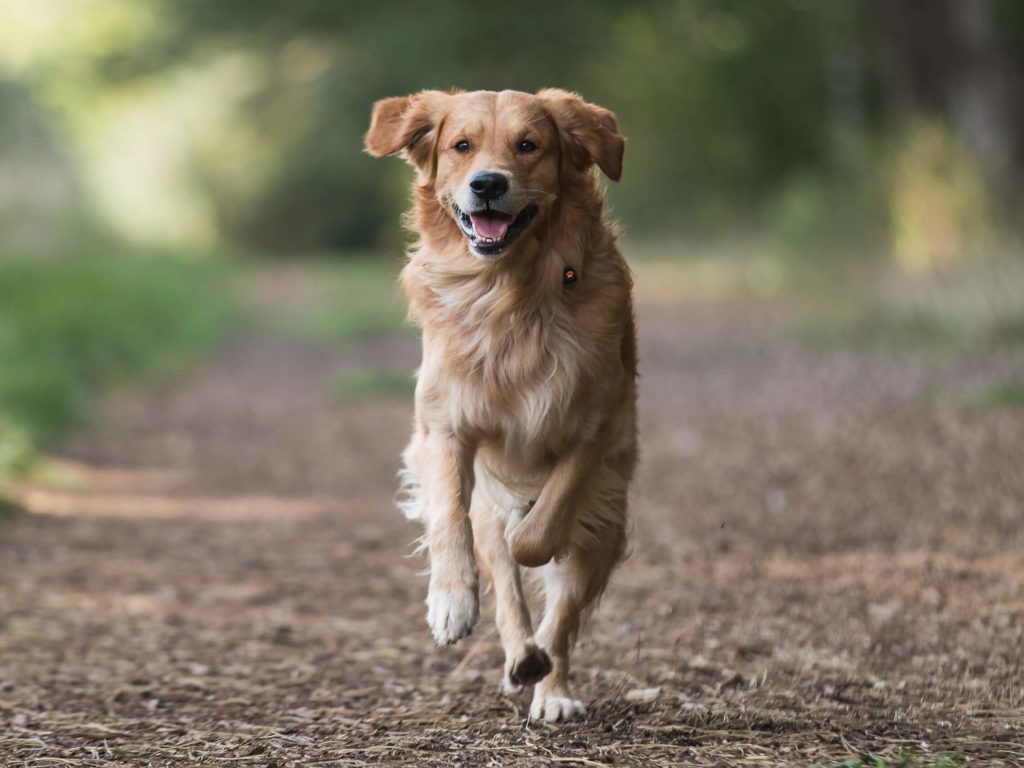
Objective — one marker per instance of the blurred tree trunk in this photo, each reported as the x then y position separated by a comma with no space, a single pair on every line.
981,103
844,68
946,59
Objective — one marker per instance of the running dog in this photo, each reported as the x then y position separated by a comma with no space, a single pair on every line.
524,441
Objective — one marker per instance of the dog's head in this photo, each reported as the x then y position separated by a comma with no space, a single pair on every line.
496,163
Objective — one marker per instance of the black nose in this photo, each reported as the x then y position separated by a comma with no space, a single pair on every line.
489,185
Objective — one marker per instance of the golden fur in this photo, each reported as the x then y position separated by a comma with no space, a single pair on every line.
524,440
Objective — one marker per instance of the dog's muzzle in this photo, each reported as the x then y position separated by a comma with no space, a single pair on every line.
490,231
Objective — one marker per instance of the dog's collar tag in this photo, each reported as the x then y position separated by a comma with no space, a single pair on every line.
569,275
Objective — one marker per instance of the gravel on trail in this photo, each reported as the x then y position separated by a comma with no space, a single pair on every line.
828,560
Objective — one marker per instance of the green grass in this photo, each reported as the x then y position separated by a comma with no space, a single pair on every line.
880,306
881,329
7,509
1009,395
70,328
340,300
368,384
348,298
1009,331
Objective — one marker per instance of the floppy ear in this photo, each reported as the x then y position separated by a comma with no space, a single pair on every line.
405,124
590,133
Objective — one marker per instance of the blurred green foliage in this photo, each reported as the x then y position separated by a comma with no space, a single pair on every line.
209,121
71,327
375,383
340,299
723,101
1006,395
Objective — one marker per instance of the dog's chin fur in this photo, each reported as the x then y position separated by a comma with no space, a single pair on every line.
525,420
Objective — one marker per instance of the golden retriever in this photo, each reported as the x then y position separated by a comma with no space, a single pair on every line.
524,440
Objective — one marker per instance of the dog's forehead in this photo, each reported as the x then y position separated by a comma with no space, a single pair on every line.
495,108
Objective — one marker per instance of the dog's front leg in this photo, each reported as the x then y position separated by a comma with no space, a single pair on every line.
447,485
544,530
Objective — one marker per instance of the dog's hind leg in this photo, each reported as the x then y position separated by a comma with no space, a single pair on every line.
525,663
571,585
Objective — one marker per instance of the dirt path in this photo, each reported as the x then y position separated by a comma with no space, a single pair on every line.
825,563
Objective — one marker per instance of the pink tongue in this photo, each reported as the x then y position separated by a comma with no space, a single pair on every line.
491,226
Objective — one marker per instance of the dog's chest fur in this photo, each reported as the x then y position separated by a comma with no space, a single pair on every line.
508,360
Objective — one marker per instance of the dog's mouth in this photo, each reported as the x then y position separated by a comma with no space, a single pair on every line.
490,231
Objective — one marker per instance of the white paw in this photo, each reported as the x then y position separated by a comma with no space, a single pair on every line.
555,708
451,613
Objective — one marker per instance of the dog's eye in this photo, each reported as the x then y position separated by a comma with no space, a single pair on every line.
461,146
527,146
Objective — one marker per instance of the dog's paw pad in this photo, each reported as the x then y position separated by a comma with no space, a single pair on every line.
531,667
554,709
451,613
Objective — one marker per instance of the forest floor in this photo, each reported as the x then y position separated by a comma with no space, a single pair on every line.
828,564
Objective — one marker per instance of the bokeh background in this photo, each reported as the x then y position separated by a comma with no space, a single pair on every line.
202,123
143,141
